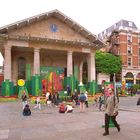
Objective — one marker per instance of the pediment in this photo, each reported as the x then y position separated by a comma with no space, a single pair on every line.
51,28
52,25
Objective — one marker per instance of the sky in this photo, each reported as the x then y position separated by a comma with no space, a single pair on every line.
94,15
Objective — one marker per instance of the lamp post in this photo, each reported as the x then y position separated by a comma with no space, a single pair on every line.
114,80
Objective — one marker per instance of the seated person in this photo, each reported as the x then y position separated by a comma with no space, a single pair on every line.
26,110
68,108
62,108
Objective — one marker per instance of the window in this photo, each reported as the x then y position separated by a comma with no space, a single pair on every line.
139,51
129,38
129,50
130,24
129,61
139,62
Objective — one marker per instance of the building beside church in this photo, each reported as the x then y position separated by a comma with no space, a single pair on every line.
48,43
123,40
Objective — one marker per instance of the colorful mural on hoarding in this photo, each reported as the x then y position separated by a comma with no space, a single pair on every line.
52,79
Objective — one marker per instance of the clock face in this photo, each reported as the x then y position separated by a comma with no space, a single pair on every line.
53,27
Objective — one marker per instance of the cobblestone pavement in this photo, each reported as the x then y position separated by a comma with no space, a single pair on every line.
48,124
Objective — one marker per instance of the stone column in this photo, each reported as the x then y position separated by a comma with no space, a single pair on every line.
36,61
69,63
81,72
91,67
7,62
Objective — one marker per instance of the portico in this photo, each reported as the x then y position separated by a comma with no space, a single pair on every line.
50,39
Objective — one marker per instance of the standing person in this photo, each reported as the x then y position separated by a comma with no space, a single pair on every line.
86,101
82,99
24,99
56,98
38,105
68,90
48,98
96,101
76,97
138,102
73,98
101,101
111,111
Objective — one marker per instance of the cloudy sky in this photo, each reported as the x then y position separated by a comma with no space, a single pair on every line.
94,15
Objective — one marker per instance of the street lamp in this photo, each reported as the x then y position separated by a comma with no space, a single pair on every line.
114,80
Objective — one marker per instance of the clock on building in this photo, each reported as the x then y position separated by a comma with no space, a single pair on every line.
53,27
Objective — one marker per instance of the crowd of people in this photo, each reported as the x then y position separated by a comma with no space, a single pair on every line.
108,105
77,99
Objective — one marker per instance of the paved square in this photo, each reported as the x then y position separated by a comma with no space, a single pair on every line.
48,124
4,134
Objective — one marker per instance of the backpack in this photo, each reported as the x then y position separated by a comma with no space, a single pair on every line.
82,98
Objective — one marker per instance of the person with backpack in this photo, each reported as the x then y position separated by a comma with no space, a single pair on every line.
82,99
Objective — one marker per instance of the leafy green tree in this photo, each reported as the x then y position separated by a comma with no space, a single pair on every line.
107,63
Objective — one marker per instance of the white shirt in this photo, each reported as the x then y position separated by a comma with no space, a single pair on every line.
69,107
47,95
38,99
86,96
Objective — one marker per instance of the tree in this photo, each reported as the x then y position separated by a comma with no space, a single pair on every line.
107,63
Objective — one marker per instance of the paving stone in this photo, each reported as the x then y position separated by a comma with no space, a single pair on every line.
4,134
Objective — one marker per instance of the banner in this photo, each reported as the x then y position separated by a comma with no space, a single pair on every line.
52,78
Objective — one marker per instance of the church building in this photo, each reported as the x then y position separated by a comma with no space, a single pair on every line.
50,45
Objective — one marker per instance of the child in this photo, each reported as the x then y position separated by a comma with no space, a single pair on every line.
26,110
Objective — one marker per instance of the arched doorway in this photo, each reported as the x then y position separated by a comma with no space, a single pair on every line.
21,68
129,78
85,73
138,78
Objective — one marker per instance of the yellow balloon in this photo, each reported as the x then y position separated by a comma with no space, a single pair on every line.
21,82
